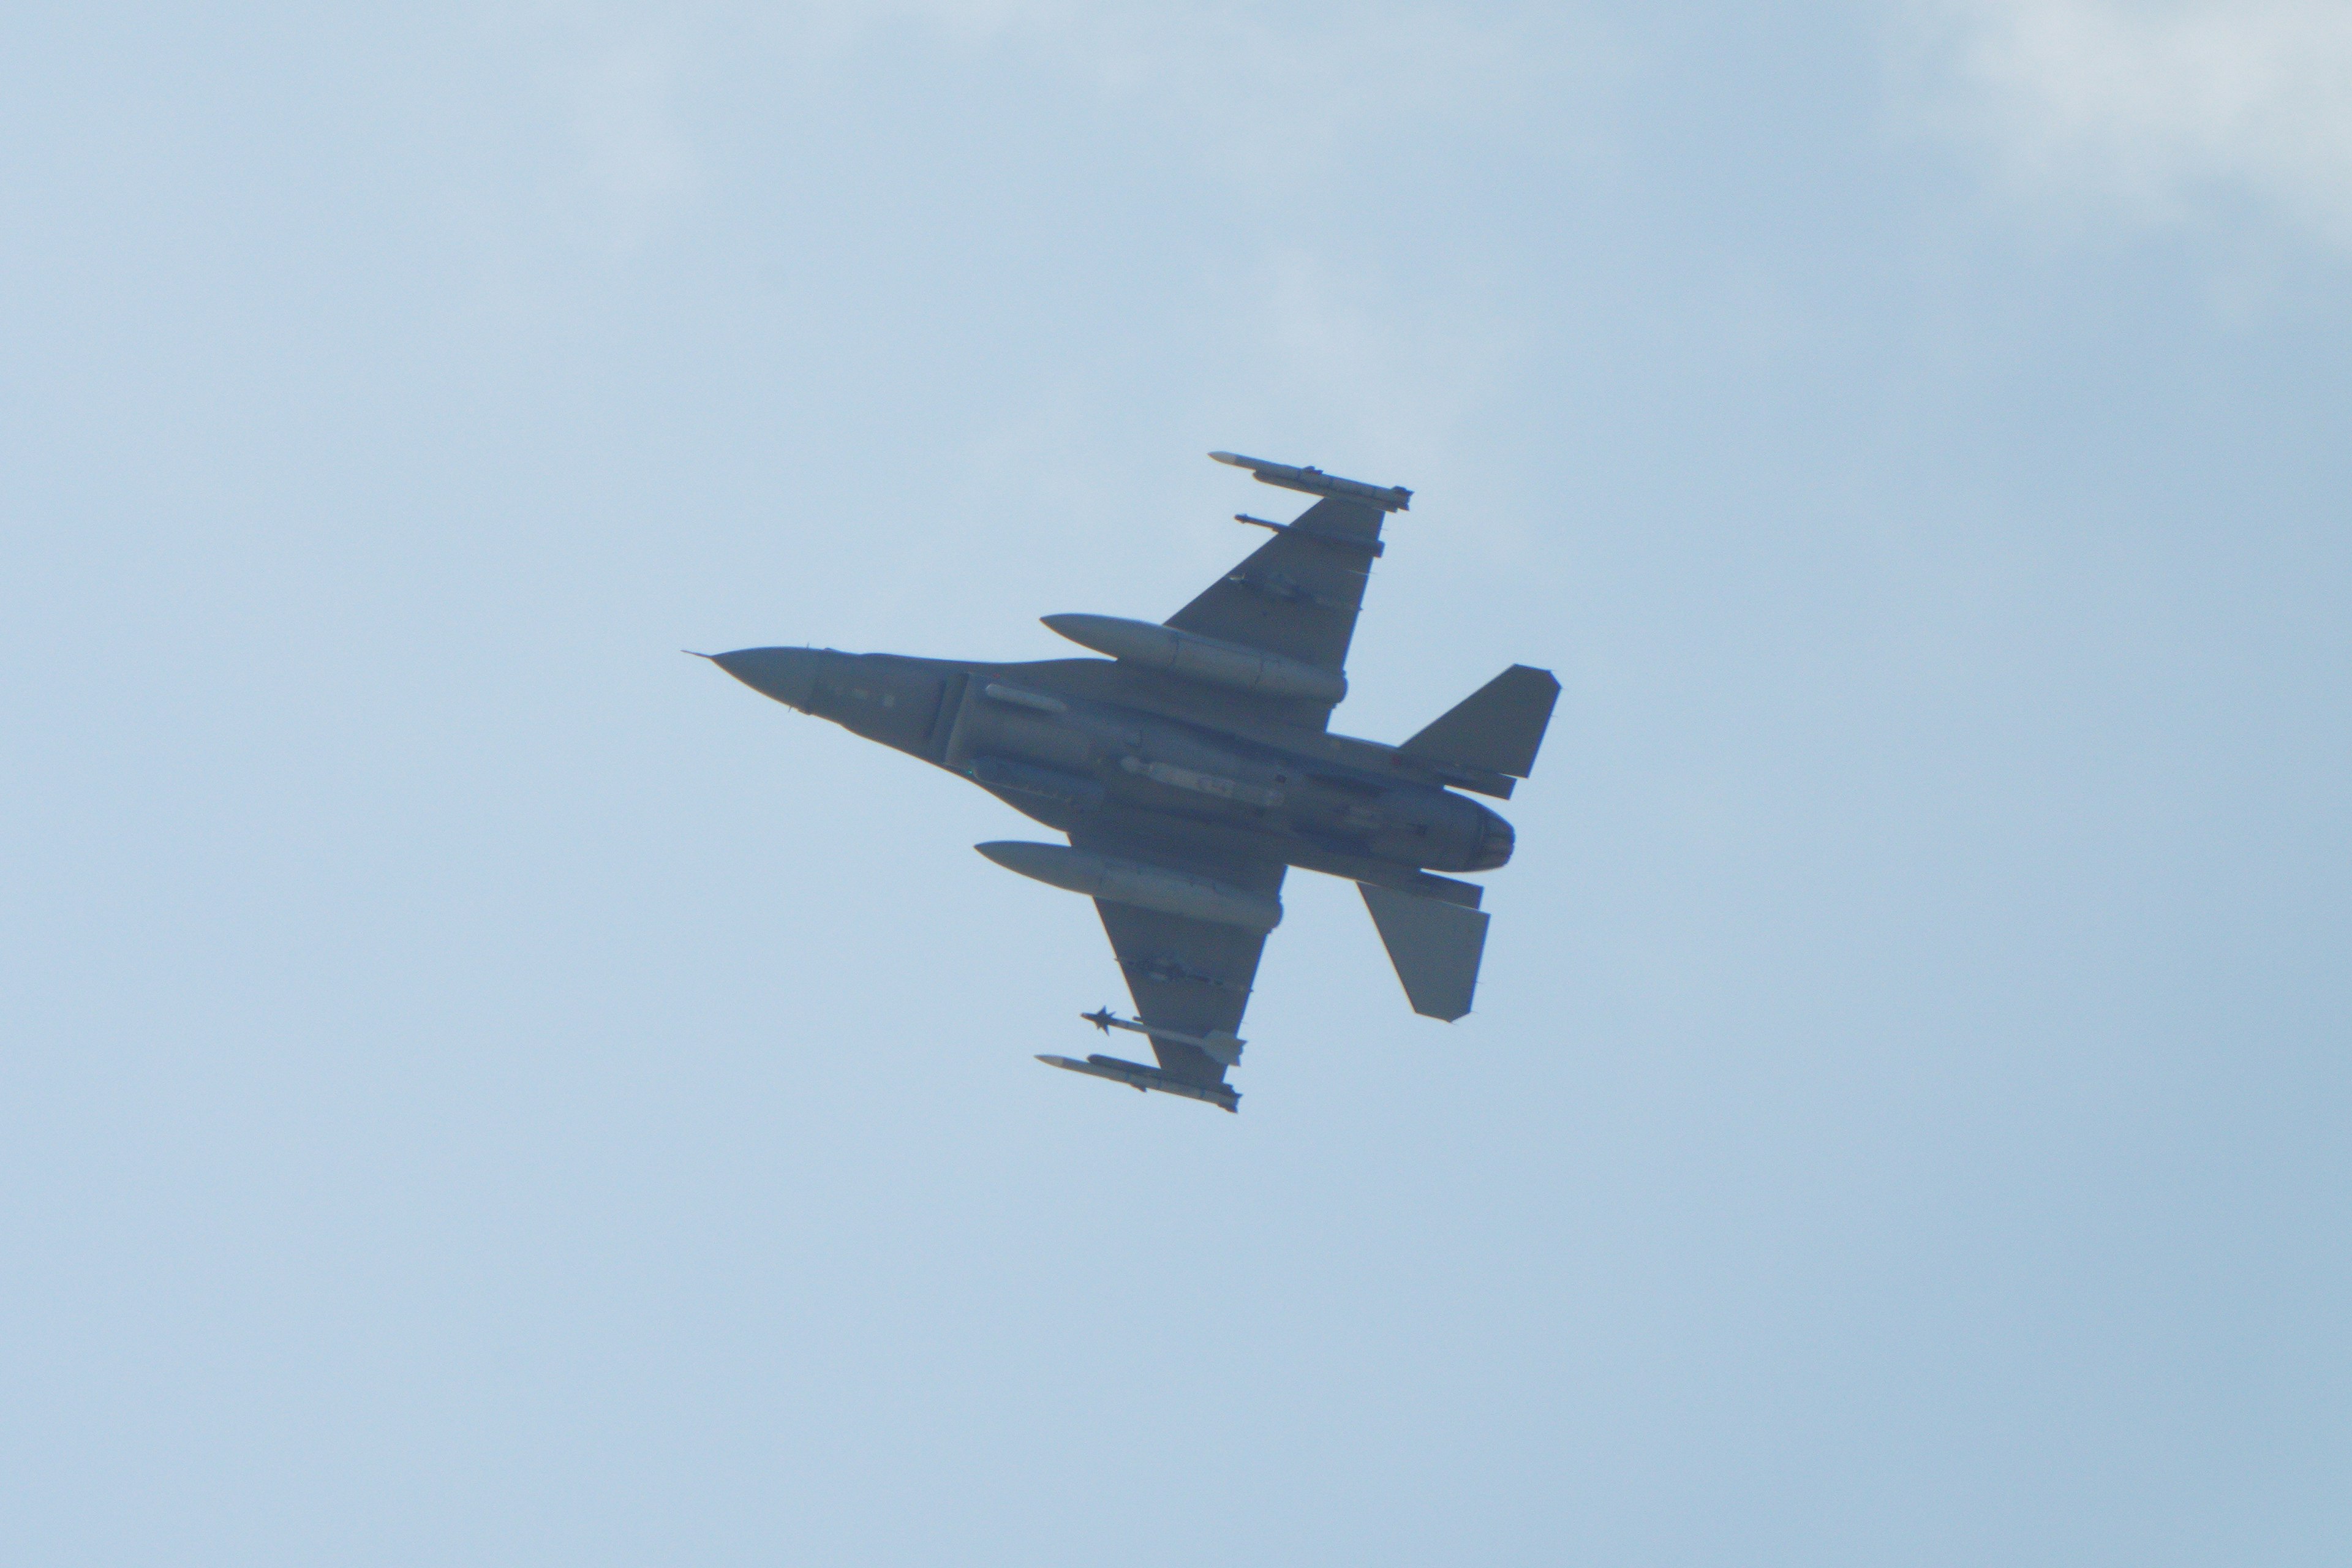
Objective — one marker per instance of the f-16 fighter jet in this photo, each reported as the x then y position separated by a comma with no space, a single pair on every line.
1194,766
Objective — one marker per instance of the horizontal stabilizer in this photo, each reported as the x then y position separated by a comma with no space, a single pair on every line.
1499,727
1417,884
1435,948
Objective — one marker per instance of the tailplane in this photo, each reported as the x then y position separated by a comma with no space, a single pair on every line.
1435,945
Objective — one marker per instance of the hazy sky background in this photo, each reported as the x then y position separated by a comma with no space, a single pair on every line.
477,1086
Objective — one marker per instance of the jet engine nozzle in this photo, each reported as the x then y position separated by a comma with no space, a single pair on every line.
1496,840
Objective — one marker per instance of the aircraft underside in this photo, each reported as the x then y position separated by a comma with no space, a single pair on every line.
1194,766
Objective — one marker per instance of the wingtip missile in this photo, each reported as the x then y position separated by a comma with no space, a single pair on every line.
1316,482
1072,1064
1138,1076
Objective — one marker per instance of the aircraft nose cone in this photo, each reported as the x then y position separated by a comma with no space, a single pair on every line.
786,674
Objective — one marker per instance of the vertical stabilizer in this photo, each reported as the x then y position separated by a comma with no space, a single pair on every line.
1436,947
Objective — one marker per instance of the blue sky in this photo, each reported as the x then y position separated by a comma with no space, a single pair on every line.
479,1087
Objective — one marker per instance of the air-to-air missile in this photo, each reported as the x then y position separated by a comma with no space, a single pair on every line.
1221,1046
1138,1076
1316,482
1196,764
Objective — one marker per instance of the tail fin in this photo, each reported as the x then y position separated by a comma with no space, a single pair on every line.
1498,728
1435,945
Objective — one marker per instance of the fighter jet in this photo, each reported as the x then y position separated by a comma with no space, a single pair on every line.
1194,766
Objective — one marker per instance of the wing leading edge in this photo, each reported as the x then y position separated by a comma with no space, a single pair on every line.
1189,977
1298,594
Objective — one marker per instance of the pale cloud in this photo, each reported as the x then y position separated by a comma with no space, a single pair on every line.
634,156
2166,112
1395,373
1303,102
1274,92
604,82
1309,104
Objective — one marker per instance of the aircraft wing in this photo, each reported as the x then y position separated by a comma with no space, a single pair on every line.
1297,593
1189,976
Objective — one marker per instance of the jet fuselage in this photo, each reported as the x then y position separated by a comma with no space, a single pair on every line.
1043,738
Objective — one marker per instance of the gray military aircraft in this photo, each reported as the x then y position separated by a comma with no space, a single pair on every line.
1193,766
